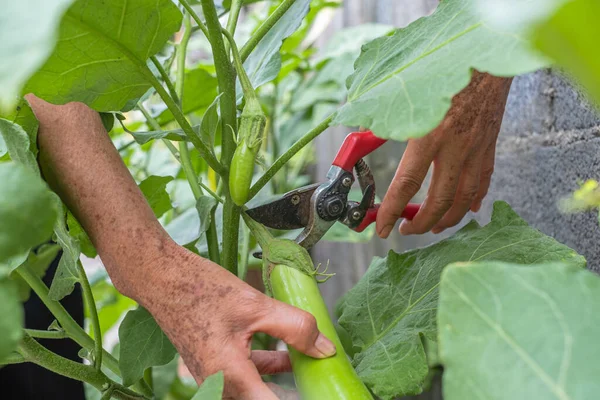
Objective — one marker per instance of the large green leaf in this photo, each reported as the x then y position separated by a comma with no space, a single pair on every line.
27,210
100,58
264,62
154,189
565,30
394,305
11,315
143,345
570,37
403,84
211,388
27,37
509,332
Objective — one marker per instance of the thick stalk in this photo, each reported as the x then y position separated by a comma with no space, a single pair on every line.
285,157
70,326
226,80
38,354
88,300
264,28
331,378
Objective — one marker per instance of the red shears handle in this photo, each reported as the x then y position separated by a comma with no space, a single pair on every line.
356,146
409,213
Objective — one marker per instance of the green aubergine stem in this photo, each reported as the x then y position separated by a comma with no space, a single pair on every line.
331,378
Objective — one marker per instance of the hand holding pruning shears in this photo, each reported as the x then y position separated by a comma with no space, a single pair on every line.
462,150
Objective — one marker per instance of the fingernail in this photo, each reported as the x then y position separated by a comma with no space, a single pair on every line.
325,346
476,206
405,227
436,230
385,232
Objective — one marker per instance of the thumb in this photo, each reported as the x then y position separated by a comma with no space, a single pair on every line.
297,328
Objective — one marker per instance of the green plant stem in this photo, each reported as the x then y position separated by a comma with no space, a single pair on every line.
285,157
165,76
126,146
195,16
213,194
211,234
184,154
153,123
204,151
40,334
264,28
245,253
72,328
13,358
88,300
234,15
226,81
181,55
38,354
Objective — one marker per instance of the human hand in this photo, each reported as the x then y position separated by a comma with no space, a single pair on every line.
210,316
462,149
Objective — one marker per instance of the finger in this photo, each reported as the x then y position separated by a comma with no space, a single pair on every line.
468,187
271,362
446,174
406,183
243,382
295,327
487,170
282,393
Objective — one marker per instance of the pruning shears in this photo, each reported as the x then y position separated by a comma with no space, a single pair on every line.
317,207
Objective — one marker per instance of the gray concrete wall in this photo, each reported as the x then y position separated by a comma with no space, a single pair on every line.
550,139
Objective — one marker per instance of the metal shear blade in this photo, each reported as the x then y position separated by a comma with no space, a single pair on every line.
290,211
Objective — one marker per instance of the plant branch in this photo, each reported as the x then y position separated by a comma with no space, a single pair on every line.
70,326
13,358
204,151
41,334
285,157
184,154
226,80
153,123
165,76
264,28
209,191
195,16
38,354
88,300
234,15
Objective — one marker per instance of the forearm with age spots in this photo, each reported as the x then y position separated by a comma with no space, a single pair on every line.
80,162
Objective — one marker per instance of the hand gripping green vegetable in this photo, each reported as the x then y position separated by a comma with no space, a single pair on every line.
251,130
291,276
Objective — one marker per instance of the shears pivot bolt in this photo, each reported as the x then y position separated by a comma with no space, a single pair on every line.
347,182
